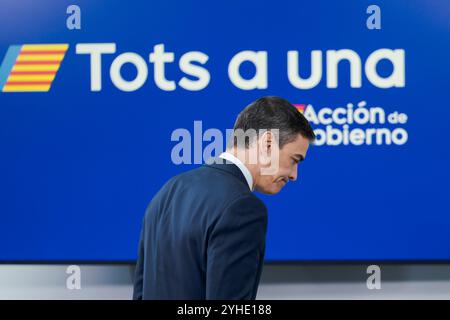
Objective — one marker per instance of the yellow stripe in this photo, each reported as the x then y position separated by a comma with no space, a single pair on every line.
31,77
42,67
41,57
44,47
13,88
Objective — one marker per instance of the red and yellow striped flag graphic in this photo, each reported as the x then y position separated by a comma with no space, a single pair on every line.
35,67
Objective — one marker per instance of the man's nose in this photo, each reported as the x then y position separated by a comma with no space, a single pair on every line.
293,175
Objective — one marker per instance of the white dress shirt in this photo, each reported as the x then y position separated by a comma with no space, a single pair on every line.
248,176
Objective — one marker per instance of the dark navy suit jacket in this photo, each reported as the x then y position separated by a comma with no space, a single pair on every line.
203,237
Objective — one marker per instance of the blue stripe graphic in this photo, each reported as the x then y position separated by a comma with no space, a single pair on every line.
8,63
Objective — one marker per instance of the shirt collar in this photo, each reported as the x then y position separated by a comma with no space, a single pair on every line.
248,176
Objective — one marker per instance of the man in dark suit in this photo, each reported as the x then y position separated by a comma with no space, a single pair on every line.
203,234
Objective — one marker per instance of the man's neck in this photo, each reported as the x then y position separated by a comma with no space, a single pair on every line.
243,156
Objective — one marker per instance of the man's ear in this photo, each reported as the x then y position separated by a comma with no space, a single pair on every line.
265,147
269,155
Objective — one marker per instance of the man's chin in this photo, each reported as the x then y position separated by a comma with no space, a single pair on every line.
269,191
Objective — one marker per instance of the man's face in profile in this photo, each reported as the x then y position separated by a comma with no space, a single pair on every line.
290,155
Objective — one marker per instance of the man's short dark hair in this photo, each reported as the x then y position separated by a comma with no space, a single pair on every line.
274,113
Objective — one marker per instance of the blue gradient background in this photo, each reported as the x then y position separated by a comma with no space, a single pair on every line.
78,168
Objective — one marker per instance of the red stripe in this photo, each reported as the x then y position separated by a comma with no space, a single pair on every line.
37,62
32,72
31,52
23,83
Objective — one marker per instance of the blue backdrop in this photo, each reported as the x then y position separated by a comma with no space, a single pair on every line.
78,166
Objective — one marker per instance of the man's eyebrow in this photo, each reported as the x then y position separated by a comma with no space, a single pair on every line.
300,157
